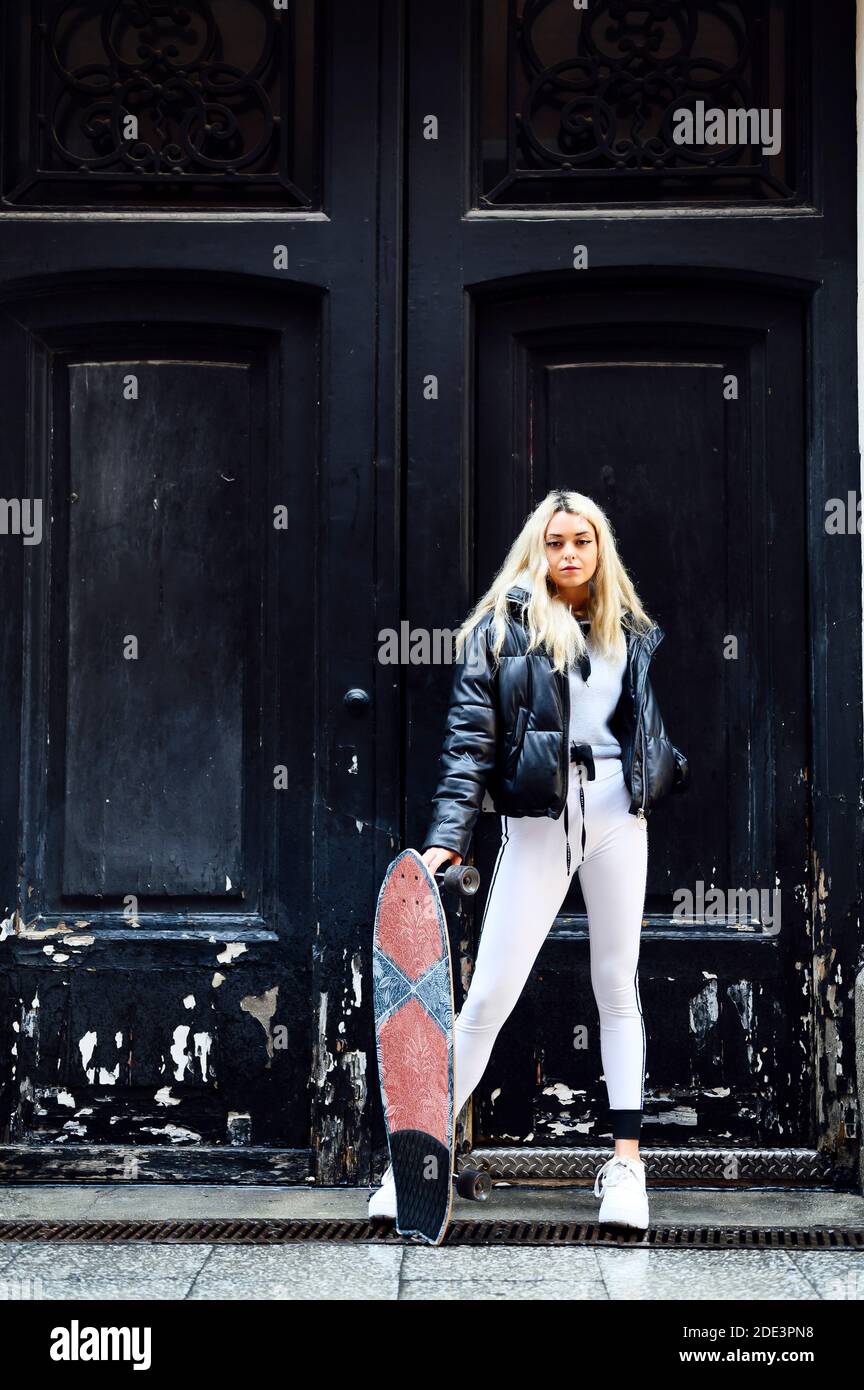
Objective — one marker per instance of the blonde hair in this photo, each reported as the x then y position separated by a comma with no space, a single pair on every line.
550,623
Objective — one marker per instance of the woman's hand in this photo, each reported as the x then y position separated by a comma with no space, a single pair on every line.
435,856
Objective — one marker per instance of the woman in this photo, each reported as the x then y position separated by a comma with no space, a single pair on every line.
552,711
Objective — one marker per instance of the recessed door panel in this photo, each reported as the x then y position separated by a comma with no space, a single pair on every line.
164,564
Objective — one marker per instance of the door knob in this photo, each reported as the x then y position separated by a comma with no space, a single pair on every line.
356,700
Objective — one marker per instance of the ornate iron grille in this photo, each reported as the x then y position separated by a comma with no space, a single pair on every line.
204,103
576,107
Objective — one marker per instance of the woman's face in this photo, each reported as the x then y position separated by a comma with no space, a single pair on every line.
571,549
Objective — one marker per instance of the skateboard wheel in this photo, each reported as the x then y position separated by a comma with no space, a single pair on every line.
461,878
474,1183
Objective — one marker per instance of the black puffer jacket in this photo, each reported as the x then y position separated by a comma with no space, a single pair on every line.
508,729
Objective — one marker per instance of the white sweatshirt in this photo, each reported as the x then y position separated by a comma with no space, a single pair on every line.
593,702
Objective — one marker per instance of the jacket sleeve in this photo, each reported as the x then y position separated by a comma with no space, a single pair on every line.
468,756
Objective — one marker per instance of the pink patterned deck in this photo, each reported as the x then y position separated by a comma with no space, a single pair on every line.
413,1054
408,928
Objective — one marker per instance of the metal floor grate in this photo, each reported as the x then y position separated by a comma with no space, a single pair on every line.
272,1232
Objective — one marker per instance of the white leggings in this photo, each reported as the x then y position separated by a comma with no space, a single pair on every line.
529,884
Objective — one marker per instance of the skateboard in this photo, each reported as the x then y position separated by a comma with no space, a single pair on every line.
412,985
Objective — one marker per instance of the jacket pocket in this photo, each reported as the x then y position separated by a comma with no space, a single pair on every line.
516,744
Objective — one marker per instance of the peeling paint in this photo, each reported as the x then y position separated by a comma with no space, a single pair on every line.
560,1127
231,951
86,1046
820,893
30,1021
39,933
174,1132
565,1094
681,1115
354,1063
164,1097
263,1007
75,1127
322,1058
239,1127
203,1043
58,1094
179,1055
357,978
704,1011
741,995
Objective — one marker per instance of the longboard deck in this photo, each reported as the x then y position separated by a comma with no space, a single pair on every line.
413,1002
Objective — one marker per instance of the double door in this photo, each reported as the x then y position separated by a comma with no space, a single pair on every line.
301,311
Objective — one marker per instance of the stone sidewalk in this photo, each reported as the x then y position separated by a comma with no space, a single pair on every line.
413,1272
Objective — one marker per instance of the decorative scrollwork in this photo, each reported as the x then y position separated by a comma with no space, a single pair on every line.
166,95
594,96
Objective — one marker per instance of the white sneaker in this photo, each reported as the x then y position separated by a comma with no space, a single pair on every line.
622,1184
383,1200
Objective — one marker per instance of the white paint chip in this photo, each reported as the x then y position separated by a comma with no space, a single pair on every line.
231,951
164,1097
87,1046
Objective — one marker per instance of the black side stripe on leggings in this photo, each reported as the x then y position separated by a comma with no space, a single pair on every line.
642,1019
504,840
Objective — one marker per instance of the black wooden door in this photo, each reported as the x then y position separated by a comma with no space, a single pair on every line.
670,331
196,237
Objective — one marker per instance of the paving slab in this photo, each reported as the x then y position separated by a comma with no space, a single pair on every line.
410,1272
670,1206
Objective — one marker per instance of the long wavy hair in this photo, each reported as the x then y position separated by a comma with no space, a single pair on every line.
613,602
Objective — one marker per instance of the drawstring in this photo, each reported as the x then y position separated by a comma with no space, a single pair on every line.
579,753
582,801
